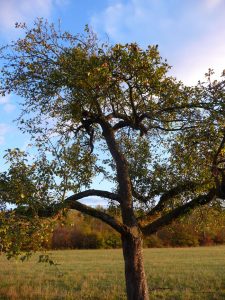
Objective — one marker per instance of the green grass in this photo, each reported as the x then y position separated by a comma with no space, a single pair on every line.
185,273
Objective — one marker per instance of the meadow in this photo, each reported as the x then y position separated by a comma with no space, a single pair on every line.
173,273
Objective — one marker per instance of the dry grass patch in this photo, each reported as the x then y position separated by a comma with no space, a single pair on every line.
184,273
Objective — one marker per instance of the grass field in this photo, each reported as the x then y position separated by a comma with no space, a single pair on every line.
184,273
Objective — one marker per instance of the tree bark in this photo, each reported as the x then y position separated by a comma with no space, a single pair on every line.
136,283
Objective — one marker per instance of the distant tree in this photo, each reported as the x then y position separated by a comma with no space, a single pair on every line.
91,109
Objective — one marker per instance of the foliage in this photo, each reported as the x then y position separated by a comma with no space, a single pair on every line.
95,109
83,233
202,227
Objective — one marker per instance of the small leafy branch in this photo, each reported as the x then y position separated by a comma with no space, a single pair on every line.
45,258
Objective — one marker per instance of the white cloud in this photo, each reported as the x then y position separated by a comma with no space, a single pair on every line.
93,202
134,19
9,107
13,11
3,131
4,100
5,103
190,34
211,4
195,60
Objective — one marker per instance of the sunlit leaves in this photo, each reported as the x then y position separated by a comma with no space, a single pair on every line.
22,234
77,90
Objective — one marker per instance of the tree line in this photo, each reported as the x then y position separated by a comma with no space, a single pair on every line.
202,227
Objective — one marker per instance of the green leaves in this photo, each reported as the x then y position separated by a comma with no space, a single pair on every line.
21,234
86,103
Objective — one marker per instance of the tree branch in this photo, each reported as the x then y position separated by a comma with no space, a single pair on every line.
73,204
138,196
92,192
215,162
178,212
175,191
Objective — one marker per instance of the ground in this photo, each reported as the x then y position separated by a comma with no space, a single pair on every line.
183,273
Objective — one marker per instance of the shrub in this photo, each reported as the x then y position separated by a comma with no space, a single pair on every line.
112,241
153,241
205,240
220,237
183,239
61,238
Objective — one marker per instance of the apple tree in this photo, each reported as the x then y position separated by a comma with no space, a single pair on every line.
113,111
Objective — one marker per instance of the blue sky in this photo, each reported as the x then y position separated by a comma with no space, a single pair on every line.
190,34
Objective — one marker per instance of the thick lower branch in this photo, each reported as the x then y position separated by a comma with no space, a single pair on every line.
70,203
92,192
178,212
173,192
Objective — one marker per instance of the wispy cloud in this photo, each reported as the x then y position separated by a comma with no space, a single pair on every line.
6,105
211,4
4,128
191,34
194,61
12,11
94,201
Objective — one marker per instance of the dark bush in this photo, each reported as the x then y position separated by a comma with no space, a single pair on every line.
112,241
219,238
206,240
153,241
182,239
61,238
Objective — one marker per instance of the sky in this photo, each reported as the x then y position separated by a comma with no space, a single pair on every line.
190,35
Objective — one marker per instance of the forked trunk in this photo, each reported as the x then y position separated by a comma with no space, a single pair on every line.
136,284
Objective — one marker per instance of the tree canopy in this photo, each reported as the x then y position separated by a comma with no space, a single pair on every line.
92,108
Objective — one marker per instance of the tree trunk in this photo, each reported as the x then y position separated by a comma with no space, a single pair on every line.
136,284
